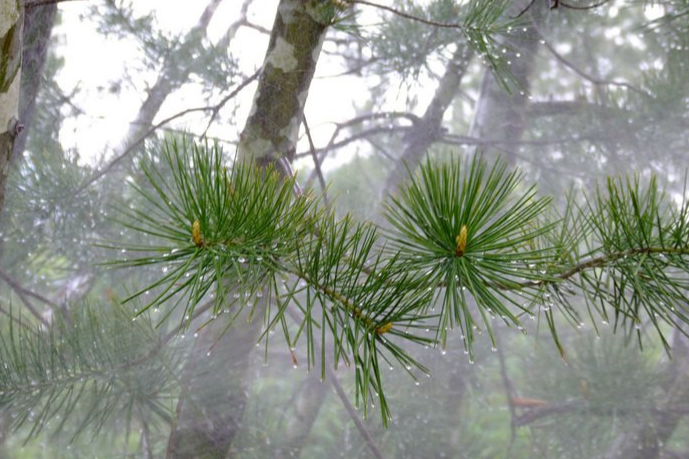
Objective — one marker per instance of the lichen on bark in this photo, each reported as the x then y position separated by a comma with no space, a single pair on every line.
11,21
273,124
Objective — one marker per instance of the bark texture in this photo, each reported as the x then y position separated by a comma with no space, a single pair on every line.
11,25
211,408
295,42
38,26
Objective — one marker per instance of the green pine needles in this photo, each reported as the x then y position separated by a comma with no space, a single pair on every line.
467,243
88,369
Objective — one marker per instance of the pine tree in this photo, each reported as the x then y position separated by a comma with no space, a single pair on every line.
231,248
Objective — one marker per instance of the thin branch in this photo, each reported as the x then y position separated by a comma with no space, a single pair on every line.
583,7
351,411
443,25
145,135
23,294
14,319
17,286
354,138
216,108
586,76
316,163
34,3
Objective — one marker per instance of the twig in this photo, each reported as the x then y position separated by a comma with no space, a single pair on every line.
34,3
23,293
586,76
316,163
17,321
216,108
139,141
411,17
583,7
17,286
351,411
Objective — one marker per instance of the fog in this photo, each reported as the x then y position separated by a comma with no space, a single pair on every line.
274,229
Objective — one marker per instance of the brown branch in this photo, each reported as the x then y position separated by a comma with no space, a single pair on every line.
603,260
586,76
19,322
316,163
354,138
145,135
16,285
34,3
24,293
411,17
583,7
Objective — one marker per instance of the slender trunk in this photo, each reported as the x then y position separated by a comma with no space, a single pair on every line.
38,25
11,25
269,137
501,116
211,406
307,405
173,74
647,439
429,128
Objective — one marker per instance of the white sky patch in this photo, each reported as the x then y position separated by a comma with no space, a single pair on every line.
654,11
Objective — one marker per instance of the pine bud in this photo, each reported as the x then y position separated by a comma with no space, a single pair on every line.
461,241
196,233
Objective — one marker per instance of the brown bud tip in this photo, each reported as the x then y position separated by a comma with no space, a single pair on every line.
461,241
384,328
196,233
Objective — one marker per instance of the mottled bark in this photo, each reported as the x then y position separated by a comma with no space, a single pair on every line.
11,24
501,116
429,128
647,439
273,125
38,26
207,420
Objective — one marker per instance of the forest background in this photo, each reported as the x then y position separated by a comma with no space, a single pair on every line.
569,93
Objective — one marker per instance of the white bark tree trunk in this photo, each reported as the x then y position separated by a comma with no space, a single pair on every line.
11,25
210,411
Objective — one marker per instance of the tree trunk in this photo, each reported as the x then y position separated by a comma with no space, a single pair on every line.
307,405
647,439
501,116
272,128
11,25
38,26
173,74
426,131
269,137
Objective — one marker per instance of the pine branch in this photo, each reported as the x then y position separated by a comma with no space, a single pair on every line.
460,233
81,371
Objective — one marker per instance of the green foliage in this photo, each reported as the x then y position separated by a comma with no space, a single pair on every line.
83,371
464,235
464,227
405,46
